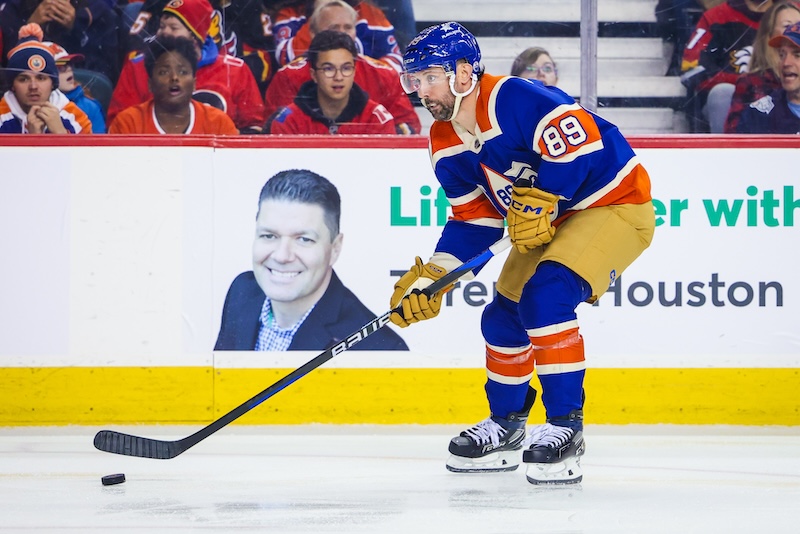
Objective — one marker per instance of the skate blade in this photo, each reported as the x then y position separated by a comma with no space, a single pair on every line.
491,463
567,472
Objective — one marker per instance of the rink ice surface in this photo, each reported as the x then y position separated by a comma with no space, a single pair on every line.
373,479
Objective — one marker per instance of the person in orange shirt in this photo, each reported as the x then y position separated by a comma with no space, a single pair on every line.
171,64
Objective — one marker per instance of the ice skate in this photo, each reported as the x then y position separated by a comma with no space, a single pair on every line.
554,453
492,445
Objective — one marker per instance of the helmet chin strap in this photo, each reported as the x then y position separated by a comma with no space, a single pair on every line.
458,95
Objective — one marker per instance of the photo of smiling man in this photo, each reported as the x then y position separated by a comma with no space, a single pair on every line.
293,299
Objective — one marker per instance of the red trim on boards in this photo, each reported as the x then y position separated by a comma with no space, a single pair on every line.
366,142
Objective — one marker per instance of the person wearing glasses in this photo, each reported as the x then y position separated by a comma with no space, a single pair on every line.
332,103
535,63
374,77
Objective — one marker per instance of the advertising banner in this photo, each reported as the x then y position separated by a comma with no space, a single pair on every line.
124,255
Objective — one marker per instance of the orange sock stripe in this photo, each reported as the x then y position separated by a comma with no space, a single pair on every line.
562,348
519,364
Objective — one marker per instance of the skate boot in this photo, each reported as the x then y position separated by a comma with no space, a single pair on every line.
492,445
554,452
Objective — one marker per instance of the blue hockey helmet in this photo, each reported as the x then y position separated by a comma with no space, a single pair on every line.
442,45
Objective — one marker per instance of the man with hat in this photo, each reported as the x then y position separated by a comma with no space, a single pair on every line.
779,112
68,85
34,104
223,81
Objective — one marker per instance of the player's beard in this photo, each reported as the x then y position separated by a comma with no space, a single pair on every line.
442,109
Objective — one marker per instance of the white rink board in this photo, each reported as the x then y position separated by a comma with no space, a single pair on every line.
124,256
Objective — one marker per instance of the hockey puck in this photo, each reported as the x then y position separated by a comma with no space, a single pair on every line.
110,480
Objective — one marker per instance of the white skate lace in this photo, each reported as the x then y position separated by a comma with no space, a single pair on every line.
548,435
485,431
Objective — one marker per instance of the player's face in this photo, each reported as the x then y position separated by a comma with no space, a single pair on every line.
334,74
170,25
433,88
543,69
790,71
293,252
172,83
31,89
338,19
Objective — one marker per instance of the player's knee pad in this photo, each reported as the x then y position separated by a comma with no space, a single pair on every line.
501,325
551,295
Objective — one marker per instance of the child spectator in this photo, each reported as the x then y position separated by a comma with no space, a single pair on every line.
374,33
717,53
378,80
171,65
536,64
331,103
34,105
778,113
763,78
68,85
223,81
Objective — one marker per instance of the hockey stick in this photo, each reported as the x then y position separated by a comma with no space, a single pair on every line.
129,445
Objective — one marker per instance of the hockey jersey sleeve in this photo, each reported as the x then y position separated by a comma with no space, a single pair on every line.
249,113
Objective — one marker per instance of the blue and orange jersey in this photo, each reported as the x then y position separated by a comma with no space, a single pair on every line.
528,130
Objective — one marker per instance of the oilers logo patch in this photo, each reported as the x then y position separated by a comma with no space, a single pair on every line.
36,63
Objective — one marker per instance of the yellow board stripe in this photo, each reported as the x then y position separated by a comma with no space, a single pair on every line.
198,395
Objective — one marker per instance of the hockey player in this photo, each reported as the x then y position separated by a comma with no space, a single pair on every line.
579,211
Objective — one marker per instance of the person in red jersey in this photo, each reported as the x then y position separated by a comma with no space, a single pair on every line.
171,64
331,103
223,81
378,80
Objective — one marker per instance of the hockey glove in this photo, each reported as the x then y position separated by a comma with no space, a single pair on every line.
529,224
409,299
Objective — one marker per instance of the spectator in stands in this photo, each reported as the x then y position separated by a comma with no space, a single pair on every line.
374,77
89,27
223,81
293,299
717,53
536,64
764,77
331,103
240,28
33,104
778,113
171,65
68,85
374,34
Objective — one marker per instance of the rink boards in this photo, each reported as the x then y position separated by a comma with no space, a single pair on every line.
119,257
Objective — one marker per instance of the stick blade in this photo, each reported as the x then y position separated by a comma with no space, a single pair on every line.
128,445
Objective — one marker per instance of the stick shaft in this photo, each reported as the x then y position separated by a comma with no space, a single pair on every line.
129,445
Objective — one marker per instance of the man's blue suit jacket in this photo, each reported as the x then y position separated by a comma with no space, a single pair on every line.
337,315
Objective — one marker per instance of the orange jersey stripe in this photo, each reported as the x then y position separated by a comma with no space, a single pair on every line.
477,208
